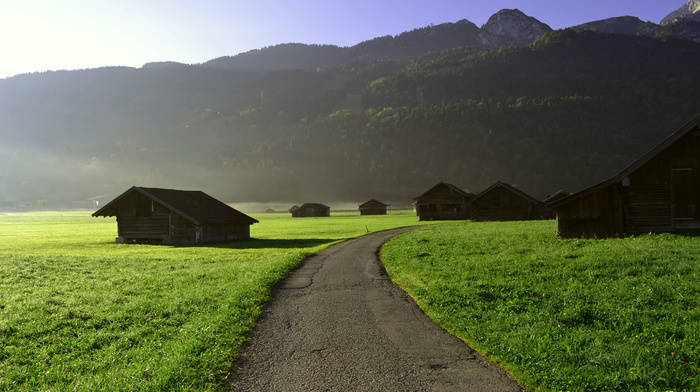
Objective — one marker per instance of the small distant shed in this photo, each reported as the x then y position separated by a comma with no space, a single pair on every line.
373,207
310,210
177,217
442,202
504,202
548,212
660,192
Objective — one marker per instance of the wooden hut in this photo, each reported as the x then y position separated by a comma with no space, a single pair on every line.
373,207
659,192
504,202
442,202
169,216
310,210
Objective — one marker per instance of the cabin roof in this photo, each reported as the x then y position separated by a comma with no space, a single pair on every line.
447,185
556,196
373,203
430,196
674,137
196,206
307,205
507,187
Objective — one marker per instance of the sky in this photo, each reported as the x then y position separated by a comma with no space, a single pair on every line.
42,35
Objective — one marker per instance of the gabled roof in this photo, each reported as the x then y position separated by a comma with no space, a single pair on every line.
451,187
556,196
373,203
692,125
314,205
507,187
195,206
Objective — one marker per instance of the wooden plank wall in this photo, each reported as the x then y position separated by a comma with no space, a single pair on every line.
155,227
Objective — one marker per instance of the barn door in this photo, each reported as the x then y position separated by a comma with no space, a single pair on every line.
683,197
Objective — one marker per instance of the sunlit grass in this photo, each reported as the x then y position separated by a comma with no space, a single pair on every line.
562,314
80,312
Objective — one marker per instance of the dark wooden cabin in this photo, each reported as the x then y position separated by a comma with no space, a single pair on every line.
169,216
310,210
660,192
442,202
504,202
373,207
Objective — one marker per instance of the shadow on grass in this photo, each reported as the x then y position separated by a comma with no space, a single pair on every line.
255,243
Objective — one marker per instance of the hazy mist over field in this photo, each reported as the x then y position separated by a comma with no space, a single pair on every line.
385,119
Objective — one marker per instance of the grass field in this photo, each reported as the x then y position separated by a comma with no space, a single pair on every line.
79,312
562,314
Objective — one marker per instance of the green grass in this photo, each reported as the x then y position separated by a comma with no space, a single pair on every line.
562,314
79,312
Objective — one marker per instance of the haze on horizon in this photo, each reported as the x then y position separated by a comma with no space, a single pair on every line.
44,35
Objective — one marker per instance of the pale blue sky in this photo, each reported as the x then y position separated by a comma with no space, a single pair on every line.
40,35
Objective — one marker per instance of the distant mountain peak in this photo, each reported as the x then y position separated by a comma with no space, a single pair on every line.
630,25
691,8
162,64
511,27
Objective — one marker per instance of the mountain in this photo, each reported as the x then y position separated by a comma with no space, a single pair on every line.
163,64
690,10
505,28
686,27
383,119
629,25
511,28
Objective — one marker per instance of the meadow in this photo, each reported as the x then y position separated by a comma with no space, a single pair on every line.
79,312
561,314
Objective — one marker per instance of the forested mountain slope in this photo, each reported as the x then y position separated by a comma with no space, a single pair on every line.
564,112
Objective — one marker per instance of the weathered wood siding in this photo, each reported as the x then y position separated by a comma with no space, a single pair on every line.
502,205
373,211
222,233
141,219
658,193
311,210
429,212
155,228
593,215
373,208
182,231
442,202
663,194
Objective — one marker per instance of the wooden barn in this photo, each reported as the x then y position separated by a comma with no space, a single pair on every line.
373,207
504,202
660,192
442,202
310,210
176,217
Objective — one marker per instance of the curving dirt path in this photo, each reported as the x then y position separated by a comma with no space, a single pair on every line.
338,323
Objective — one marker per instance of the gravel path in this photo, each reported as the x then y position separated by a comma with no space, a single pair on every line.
339,324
